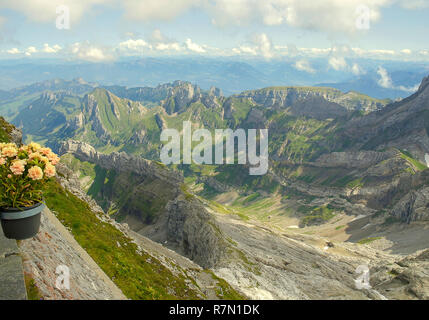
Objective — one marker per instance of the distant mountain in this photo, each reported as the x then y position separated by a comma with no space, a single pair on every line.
12,101
402,84
232,75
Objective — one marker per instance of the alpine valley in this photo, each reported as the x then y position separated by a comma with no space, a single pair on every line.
347,185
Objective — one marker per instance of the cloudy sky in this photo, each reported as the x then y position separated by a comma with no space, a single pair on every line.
107,30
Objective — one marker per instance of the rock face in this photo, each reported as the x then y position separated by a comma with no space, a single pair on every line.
194,231
270,265
181,94
402,124
12,286
54,246
408,279
121,162
91,108
413,207
360,159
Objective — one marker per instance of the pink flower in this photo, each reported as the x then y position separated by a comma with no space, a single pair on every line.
34,146
2,161
53,158
35,173
35,155
50,171
45,151
9,152
18,167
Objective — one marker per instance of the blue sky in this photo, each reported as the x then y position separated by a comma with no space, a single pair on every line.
107,30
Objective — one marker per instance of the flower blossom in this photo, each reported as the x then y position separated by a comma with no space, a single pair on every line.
35,173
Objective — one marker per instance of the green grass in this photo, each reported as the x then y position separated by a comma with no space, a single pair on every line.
355,184
5,130
251,198
416,163
85,168
224,290
188,196
216,206
318,215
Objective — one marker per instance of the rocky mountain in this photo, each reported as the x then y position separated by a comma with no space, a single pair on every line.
131,120
402,124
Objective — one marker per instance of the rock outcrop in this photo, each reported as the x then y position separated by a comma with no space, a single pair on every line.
413,207
359,159
327,100
193,230
121,162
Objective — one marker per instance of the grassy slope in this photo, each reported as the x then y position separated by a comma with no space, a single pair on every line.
139,276
5,129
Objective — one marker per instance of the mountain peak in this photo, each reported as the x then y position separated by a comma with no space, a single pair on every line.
424,84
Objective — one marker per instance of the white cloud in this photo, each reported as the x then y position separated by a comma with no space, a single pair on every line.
192,46
173,46
30,50
264,45
157,41
45,10
13,51
385,81
304,65
134,45
260,44
245,50
322,15
338,63
147,10
406,51
161,42
48,49
86,51
357,70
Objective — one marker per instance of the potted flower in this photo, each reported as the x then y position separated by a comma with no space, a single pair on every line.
23,172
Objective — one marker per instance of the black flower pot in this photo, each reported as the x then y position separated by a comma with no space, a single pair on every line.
21,223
